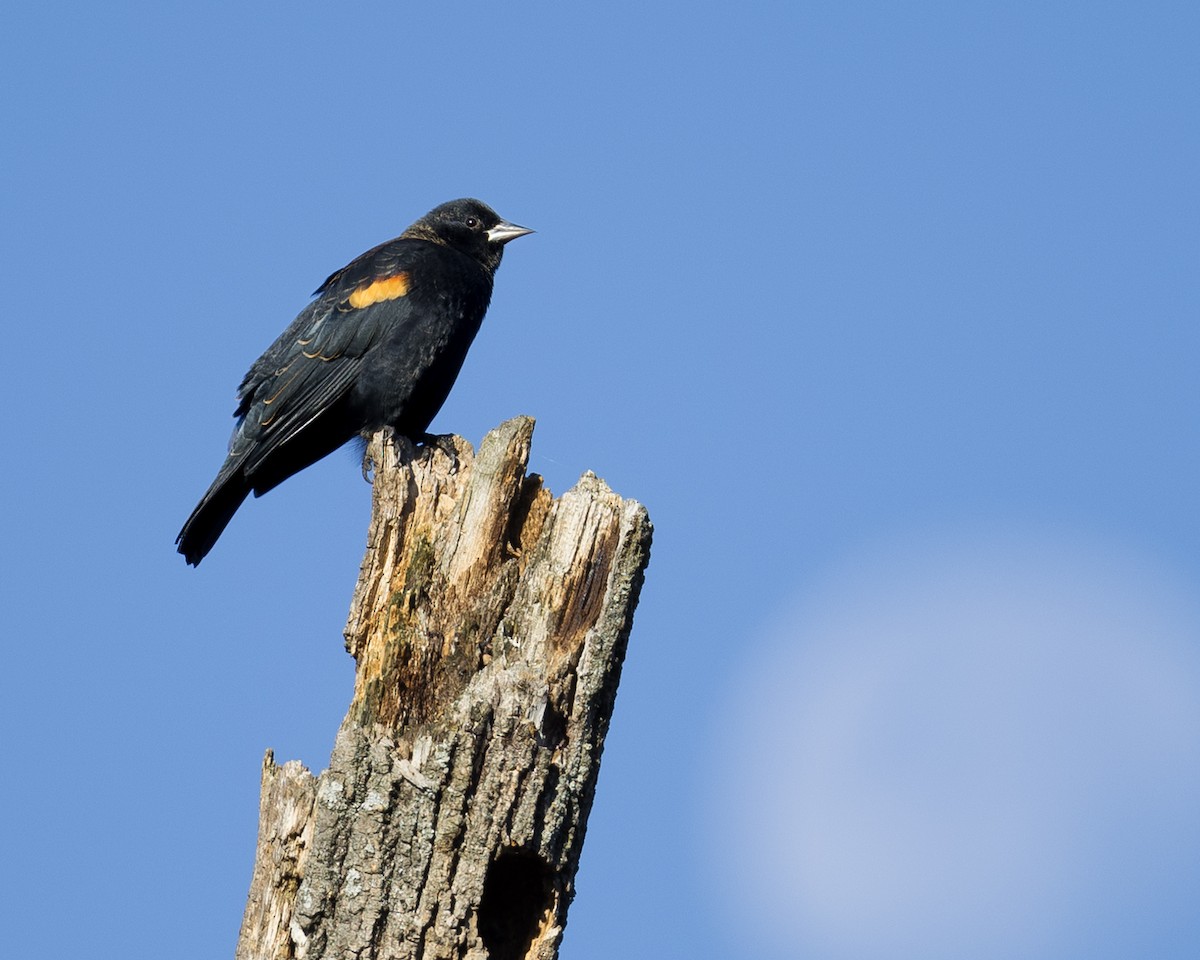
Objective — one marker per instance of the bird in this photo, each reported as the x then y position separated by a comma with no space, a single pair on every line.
379,346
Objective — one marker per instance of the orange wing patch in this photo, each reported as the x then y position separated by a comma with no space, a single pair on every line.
390,288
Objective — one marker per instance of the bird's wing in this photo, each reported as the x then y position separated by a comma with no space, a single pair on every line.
382,261
316,361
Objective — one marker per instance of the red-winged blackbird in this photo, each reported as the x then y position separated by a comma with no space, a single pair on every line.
380,346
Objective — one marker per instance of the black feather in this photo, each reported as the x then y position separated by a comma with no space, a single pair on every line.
341,370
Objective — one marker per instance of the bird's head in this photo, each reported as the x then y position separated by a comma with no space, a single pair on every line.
469,226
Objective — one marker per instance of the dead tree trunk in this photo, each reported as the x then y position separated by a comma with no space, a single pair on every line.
489,625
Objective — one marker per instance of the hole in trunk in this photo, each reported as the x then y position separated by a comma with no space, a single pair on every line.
517,892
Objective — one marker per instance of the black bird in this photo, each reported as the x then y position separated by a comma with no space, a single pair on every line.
380,346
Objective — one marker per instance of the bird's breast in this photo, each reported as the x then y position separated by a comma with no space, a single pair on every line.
408,374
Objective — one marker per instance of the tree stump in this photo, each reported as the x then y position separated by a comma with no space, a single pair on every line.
489,625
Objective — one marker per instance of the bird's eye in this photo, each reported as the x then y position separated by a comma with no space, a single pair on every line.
473,223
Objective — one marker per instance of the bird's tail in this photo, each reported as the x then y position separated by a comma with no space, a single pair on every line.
212,514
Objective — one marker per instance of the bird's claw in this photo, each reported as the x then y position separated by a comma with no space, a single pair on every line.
368,463
386,436
443,442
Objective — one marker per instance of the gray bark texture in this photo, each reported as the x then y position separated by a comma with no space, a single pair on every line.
489,625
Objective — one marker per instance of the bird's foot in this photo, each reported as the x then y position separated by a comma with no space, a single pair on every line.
400,444
443,442
368,461
405,449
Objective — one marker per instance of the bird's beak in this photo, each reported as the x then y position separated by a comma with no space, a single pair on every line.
505,231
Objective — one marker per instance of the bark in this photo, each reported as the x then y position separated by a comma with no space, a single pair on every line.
488,625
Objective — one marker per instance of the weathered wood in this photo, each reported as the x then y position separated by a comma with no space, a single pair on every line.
488,625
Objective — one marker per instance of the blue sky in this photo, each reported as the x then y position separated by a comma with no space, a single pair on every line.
887,312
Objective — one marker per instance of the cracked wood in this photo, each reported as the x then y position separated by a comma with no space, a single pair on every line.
488,626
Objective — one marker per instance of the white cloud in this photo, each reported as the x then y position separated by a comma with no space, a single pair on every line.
983,747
